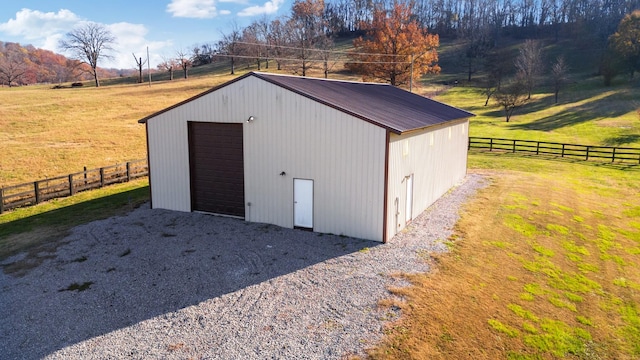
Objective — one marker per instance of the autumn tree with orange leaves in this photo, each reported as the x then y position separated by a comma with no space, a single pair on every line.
626,41
393,41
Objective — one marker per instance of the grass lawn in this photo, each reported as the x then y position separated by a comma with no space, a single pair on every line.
586,114
46,132
545,264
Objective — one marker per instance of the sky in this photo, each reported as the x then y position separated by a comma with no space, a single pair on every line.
164,26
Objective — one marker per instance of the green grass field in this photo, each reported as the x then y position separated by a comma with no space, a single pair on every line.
545,262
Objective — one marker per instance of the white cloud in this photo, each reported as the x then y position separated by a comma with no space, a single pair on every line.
44,30
40,29
201,9
269,7
130,39
225,12
34,24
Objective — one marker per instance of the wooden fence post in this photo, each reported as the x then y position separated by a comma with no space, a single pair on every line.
101,177
128,171
36,190
85,176
514,146
491,144
538,148
70,184
1,200
587,158
562,150
613,155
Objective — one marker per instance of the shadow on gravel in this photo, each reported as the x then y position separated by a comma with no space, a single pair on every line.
120,271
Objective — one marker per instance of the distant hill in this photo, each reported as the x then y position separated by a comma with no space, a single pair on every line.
28,65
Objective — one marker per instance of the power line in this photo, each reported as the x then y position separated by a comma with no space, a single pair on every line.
308,60
319,50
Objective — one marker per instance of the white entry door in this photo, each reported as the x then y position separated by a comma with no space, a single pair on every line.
409,203
303,203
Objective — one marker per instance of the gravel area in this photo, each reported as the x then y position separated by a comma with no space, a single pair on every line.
163,284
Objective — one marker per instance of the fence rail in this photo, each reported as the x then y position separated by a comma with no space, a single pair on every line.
583,152
35,192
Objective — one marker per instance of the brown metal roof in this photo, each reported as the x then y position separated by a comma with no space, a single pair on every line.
384,105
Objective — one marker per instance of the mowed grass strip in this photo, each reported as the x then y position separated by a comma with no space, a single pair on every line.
544,265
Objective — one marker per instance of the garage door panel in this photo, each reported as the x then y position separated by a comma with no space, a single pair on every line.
217,168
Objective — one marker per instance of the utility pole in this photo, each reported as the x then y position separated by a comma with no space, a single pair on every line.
411,79
148,66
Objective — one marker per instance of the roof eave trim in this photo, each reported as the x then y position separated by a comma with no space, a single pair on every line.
444,123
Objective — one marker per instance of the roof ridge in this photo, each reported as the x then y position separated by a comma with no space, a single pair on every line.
260,73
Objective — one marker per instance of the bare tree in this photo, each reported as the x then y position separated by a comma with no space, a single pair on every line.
476,51
496,66
306,26
511,96
560,75
258,34
327,45
12,66
72,70
278,37
184,62
89,43
230,45
529,64
169,65
139,64
254,43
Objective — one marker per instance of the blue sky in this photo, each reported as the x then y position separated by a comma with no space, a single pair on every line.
165,26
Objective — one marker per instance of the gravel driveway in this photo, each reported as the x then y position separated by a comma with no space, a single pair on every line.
171,285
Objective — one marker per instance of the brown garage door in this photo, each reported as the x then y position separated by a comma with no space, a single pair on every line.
217,169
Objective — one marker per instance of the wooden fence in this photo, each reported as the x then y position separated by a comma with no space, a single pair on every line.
32,193
582,152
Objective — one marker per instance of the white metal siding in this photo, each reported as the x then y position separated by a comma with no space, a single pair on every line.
343,155
292,134
169,164
437,158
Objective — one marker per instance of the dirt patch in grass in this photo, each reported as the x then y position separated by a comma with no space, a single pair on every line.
541,267
35,246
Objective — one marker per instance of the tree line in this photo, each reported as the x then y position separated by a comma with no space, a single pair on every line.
472,18
25,65
305,38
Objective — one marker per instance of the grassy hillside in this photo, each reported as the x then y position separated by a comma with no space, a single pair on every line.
587,113
46,132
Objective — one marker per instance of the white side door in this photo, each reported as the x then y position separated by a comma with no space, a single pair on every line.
303,203
409,202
